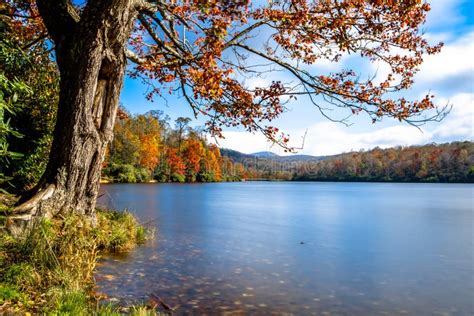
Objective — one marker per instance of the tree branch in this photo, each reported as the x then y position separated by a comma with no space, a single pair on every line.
40,37
155,37
168,33
145,6
134,57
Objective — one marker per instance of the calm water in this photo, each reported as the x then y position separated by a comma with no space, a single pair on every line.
298,248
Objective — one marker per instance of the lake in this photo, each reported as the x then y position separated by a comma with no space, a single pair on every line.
297,248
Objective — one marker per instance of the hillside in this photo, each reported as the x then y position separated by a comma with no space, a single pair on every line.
450,162
237,156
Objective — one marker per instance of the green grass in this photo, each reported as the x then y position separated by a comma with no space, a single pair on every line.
50,271
10,293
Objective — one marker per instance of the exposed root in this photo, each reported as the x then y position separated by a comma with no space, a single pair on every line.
31,205
25,215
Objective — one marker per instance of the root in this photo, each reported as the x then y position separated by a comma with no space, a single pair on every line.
25,215
31,205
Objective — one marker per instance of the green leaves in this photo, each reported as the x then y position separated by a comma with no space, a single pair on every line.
10,90
29,84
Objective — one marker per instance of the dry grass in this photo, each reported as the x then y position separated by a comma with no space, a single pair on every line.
50,271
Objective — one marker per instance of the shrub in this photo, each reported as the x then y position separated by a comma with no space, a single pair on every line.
176,177
125,174
205,177
142,174
160,177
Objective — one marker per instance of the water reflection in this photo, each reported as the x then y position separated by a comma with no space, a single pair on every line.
302,248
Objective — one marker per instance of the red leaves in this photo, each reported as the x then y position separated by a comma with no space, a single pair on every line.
175,161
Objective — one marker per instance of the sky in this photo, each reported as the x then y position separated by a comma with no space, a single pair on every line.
448,75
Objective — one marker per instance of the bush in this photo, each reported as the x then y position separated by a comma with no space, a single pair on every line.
125,173
205,177
33,81
160,177
176,177
142,174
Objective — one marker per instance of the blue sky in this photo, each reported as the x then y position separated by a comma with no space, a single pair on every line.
449,75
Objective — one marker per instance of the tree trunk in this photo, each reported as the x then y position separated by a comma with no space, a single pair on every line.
90,52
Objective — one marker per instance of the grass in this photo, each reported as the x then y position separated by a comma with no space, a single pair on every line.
50,271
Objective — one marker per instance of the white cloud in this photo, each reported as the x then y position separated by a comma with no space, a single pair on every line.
257,82
460,122
455,58
244,142
332,138
328,138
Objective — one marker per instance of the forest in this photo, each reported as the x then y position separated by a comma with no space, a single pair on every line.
145,147
450,162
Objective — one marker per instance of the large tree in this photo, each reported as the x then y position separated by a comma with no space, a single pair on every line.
205,51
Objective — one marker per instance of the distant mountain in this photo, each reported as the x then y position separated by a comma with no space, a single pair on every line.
237,156
265,154
292,158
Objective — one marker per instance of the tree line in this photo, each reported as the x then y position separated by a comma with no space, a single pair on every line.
450,162
146,147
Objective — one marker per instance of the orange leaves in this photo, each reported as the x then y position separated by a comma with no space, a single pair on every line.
147,142
217,48
203,50
149,151
22,19
193,153
175,161
207,84
213,162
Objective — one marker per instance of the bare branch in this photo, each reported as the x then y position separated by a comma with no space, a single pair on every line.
145,6
41,37
134,57
155,37
168,33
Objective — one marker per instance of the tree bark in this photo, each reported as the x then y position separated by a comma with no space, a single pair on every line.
90,52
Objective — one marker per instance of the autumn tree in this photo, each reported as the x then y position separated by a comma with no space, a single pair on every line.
204,50
177,167
402,164
125,147
148,130
182,124
213,164
193,152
